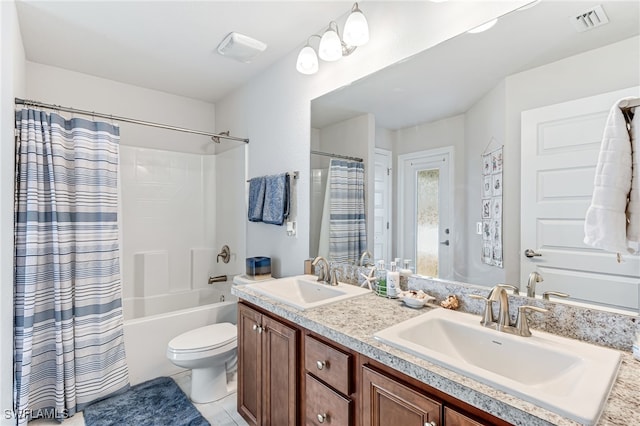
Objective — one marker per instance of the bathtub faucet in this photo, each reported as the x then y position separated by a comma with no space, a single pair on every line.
218,279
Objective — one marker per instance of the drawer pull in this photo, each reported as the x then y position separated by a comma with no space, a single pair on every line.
322,364
257,328
322,417
430,424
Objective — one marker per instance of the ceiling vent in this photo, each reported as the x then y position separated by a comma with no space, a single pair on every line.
590,19
240,47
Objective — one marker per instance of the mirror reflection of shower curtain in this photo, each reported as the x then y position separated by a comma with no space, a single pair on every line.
344,212
318,195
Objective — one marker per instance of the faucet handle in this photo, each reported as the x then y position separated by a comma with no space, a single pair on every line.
487,316
546,294
516,290
333,277
522,324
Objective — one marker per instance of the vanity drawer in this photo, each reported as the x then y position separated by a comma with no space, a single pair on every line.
328,364
324,406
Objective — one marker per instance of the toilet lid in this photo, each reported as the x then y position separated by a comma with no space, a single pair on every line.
208,337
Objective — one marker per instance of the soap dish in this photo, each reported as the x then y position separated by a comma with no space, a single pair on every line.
412,302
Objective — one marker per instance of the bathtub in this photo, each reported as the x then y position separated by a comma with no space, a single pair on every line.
146,338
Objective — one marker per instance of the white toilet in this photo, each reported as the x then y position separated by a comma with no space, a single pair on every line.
208,351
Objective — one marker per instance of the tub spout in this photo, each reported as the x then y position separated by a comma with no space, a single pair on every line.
218,279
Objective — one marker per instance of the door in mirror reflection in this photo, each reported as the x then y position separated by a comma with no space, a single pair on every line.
424,234
382,204
560,149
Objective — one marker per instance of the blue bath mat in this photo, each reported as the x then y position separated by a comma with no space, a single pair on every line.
158,402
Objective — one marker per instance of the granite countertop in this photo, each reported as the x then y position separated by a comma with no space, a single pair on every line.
352,323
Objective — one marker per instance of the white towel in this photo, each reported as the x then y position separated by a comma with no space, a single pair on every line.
605,225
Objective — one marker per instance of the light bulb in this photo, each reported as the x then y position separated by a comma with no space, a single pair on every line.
330,48
356,29
307,61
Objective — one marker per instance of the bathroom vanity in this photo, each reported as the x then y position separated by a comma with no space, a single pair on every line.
329,369
283,366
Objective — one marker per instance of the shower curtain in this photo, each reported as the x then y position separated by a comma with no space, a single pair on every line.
347,218
68,322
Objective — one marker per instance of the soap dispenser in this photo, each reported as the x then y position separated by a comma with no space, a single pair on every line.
405,271
393,281
382,279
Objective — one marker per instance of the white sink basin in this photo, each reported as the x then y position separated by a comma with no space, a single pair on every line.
304,291
563,375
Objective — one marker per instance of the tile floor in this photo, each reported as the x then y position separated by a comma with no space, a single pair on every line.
218,413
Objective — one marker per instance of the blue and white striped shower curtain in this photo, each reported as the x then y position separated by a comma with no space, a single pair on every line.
347,220
68,321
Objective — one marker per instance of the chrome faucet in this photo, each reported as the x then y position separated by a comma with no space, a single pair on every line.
534,278
325,274
499,294
366,254
218,279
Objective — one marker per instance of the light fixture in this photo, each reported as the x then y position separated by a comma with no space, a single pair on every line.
307,62
356,29
332,47
483,27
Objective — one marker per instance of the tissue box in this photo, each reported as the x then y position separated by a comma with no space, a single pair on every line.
258,266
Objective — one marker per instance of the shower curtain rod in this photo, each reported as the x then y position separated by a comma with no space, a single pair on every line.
343,157
214,136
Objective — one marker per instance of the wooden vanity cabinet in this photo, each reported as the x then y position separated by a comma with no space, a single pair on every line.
267,369
454,418
386,401
288,375
390,397
329,371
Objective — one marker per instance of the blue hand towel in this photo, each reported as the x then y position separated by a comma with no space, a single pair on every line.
276,199
256,198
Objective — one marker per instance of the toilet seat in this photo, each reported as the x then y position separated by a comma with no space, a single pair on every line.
214,338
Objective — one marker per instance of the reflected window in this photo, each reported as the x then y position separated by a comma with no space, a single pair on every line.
427,218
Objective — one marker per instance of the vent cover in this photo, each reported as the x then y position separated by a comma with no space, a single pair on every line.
590,19
240,47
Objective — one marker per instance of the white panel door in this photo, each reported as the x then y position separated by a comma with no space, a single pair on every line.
382,205
560,146
425,207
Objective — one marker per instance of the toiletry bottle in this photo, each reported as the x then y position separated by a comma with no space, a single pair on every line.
382,279
405,271
393,281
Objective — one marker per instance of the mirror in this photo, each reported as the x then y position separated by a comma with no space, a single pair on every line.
467,95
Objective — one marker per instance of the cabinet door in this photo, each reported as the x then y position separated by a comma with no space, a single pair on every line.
279,373
386,401
249,377
454,418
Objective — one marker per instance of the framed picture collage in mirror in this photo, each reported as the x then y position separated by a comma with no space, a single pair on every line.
492,206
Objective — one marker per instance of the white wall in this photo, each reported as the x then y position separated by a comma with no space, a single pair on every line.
273,109
384,138
12,84
485,129
63,87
